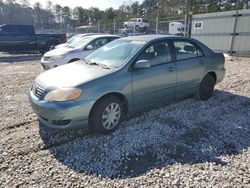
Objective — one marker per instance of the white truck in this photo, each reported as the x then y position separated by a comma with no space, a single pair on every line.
176,28
138,23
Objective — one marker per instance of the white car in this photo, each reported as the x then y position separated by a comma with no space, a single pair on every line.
138,23
75,51
72,39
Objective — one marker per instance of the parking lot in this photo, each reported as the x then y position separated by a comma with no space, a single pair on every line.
187,144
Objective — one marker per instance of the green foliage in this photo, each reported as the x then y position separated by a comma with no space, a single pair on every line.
12,12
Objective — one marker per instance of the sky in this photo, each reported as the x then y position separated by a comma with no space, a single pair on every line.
101,4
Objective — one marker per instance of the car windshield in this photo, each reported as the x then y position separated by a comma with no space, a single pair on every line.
115,53
74,38
79,42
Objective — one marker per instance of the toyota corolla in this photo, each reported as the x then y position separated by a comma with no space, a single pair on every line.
125,76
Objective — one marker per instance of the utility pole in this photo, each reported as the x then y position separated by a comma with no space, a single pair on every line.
157,19
134,28
186,18
114,26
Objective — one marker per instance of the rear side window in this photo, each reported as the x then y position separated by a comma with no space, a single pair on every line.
112,38
186,50
17,30
145,20
157,53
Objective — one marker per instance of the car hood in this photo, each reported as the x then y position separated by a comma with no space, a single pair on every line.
60,51
61,45
70,75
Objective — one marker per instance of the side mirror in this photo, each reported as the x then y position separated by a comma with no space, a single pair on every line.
90,47
142,64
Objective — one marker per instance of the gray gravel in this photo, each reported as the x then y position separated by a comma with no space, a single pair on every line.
187,144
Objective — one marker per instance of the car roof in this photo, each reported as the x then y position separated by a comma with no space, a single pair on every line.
148,38
102,35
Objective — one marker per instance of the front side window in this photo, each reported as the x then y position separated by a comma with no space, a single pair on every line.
99,43
157,53
186,50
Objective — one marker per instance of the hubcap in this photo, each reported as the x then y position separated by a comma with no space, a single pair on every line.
111,115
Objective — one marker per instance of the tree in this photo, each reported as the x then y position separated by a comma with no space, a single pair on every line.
49,6
25,3
58,12
66,14
81,15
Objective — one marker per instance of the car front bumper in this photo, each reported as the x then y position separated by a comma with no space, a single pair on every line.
61,115
46,65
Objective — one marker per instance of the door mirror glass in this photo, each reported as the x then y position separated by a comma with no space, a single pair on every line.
90,47
142,64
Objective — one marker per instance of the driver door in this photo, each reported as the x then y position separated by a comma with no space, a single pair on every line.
156,84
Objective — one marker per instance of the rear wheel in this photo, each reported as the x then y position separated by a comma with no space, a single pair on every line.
107,115
206,88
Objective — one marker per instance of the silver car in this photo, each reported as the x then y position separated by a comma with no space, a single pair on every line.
76,50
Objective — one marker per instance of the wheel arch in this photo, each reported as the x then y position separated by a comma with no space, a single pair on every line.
72,60
118,95
213,74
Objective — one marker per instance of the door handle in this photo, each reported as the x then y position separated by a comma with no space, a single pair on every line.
171,69
201,62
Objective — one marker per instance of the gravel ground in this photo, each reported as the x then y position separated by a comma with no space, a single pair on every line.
186,144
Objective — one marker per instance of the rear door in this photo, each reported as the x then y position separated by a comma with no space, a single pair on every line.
25,38
17,38
190,62
154,85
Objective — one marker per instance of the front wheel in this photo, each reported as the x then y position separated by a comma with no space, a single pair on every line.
206,88
107,115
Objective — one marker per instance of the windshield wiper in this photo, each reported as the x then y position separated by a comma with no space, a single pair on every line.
97,64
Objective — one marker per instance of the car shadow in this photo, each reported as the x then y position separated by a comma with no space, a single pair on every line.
187,132
14,58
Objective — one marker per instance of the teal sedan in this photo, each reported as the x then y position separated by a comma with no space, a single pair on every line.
128,75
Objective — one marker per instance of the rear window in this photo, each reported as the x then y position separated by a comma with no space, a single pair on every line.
17,30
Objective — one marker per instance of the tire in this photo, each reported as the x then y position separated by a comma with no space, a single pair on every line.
206,88
99,117
137,28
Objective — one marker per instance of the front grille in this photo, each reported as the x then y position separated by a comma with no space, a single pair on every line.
38,91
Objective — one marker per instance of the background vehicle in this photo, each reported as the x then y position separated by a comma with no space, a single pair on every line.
16,38
176,28
76,50
138,23
128,75
72,39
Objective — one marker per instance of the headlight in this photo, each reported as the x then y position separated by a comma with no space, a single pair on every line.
53,58
57,57
64,94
